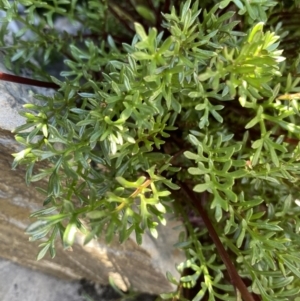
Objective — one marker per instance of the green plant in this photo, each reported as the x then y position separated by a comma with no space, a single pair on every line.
199,120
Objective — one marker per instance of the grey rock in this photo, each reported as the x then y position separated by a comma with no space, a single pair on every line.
18,283
12,98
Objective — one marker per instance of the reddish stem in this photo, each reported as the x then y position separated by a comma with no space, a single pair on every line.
236,280
27,81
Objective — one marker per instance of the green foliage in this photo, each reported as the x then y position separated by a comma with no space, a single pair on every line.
211,102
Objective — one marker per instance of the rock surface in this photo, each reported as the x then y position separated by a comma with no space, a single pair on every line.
17,283
141,267
21,284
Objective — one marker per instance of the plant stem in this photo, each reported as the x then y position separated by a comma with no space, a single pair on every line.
116,14
236,280
27,81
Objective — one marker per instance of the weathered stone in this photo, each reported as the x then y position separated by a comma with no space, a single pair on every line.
142,267
18,283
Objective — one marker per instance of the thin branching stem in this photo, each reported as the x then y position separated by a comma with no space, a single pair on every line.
126,24
236,280
26,81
